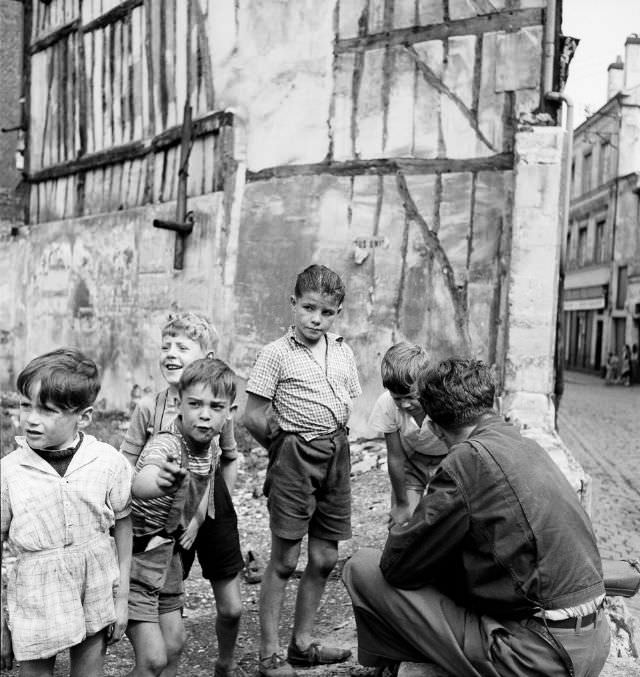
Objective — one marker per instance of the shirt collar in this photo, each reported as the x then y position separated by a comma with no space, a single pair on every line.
291,335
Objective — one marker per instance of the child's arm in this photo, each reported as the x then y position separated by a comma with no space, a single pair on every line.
123,537
256,418
6,647
400,511
137,433
152,481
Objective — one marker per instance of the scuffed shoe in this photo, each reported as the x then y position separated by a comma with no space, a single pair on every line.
275,666
316,654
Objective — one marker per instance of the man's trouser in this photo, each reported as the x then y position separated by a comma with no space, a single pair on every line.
425,625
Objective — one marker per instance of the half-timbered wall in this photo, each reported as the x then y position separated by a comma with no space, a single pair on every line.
376,136
109,82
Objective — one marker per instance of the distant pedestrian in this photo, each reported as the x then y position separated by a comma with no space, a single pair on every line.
625,371
612,369
635,365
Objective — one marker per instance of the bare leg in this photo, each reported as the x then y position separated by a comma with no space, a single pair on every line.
323,555
228,613
174,635
38,668
148,645
87,658
282,564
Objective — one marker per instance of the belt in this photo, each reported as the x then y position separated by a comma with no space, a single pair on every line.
574,623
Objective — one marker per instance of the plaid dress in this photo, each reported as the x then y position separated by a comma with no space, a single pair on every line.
62,586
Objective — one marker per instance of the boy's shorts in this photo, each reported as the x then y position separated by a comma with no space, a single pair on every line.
308,486
218,542
155,585
419,469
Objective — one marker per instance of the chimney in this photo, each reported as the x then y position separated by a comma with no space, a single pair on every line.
632,61
615,77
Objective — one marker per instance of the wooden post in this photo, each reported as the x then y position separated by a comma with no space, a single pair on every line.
183,225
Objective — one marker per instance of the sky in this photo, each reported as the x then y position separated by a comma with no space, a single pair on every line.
602,27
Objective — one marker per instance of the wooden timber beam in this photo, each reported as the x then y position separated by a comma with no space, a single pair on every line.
208,124
501,161
115,14
502,21
54,36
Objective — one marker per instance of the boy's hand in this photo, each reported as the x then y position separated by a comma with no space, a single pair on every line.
188,537
6,654
116,630
399,514
170,474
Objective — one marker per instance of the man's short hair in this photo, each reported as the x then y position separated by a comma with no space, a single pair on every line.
68,379
211,372
401,365
322,280
193,325
456,392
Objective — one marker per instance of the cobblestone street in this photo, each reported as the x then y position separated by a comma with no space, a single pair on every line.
601,426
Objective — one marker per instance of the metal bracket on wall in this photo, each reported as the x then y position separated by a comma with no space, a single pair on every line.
181,229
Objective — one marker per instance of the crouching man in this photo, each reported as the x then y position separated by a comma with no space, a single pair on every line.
497,573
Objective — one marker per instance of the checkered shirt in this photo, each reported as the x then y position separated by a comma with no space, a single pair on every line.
306,400
61,587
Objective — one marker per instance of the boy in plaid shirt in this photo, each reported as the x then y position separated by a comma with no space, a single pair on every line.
308,378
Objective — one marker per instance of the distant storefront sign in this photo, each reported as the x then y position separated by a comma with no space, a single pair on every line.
585,298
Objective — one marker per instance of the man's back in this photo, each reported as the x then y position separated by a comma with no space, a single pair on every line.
517,536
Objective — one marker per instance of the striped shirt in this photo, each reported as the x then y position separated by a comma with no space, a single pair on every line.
307,399
153,512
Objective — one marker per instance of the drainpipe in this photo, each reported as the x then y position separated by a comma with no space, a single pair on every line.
558,388
548,56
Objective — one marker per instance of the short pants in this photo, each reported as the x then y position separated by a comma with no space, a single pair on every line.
155,585
419,469
308,486
218,542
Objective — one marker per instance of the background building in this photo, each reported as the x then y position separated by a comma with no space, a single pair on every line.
602,284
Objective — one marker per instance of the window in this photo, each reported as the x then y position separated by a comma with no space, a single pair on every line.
604,162
598,245
621,293
586,171
568,253
582,246
573,179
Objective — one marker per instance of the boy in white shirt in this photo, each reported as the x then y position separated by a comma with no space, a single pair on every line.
413,451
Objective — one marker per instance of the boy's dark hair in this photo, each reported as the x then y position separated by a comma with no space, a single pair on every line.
68,379
322,280
212,372
401,365
456,392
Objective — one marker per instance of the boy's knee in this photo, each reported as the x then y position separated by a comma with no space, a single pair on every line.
175,644
283,569
323,564
152,663
229,613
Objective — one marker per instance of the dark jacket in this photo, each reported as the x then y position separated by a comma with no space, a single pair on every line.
500,530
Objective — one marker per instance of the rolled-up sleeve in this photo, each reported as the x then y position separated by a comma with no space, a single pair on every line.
414,551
